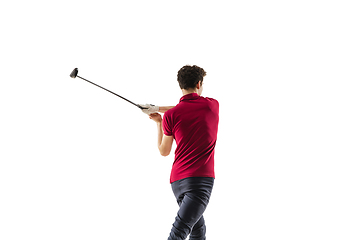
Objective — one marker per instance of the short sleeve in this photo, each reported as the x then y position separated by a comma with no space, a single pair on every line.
167,126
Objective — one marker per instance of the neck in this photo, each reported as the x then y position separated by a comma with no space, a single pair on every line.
188,91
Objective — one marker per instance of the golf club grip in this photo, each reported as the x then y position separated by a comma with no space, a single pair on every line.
111,92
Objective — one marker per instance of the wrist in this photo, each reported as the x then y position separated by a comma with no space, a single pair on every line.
149,108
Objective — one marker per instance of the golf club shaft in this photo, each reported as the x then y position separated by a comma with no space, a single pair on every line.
111,92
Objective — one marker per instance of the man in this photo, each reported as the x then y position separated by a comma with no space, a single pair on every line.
193,123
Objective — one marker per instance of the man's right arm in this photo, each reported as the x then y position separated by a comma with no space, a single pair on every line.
164,142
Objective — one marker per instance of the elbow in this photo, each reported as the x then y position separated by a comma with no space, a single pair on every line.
163,152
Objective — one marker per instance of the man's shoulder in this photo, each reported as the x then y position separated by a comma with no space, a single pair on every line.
208,98
212,100
182,106
171,111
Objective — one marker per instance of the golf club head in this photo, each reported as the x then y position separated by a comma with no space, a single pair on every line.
74,73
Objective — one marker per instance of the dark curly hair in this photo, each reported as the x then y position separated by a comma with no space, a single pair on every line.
188,76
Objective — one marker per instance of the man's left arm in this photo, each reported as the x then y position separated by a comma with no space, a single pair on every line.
164,109
149,109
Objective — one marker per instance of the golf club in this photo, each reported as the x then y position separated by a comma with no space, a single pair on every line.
74,73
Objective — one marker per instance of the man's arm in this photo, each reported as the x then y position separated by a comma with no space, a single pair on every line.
164,142
164,109
148,108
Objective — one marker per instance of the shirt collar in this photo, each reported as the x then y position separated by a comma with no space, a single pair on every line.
190,96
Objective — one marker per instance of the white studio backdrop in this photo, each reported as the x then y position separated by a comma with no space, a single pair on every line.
77,162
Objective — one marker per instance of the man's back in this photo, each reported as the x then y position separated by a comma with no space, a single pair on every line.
194,124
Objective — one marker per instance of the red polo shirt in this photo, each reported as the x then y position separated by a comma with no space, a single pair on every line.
194,125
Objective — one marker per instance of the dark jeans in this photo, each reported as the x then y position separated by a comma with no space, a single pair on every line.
192,195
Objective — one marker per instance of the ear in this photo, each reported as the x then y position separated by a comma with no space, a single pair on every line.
198,85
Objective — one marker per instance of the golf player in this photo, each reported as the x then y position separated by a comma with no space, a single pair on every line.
193,123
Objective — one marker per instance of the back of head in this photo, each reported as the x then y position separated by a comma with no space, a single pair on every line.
188,76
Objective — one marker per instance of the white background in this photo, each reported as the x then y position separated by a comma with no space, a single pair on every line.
77,162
